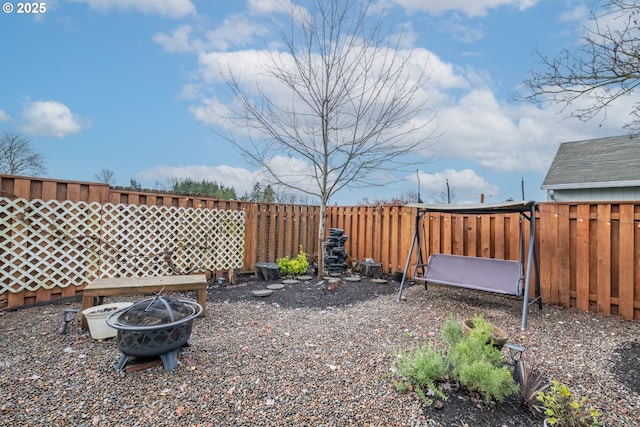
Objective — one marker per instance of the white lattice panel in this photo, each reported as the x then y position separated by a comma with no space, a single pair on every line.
58,244
160,240
47,244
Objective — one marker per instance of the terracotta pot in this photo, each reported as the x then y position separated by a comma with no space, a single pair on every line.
498,336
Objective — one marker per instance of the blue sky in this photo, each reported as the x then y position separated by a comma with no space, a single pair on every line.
126,85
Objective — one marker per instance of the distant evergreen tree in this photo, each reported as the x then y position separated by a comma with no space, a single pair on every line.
134,184
258,194
204,187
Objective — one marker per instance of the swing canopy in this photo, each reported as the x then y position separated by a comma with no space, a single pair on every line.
479,208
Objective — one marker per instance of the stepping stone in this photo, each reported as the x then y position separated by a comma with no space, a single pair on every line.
352,279
275,286
304,277
290,281
262,293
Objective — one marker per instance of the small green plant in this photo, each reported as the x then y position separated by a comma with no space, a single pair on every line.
469,358
564,410
531,384
490,381
452,332
291,267
421,369
479,365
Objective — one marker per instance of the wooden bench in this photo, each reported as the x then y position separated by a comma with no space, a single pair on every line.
140,285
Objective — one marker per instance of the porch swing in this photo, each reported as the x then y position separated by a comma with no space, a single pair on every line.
485,274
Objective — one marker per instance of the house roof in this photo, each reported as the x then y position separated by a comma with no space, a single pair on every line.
595,163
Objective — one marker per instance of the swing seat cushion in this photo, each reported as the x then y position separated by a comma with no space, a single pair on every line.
485,274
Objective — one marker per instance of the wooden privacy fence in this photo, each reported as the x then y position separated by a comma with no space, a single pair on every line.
271,231
589,252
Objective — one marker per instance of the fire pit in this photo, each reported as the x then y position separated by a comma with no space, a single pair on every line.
158,326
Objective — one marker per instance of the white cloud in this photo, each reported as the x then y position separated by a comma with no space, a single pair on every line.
167,8
236,30
461,31
465,185
179,40
294,172
578,14
190,91
505,137
212,112
265,7
270,7
245,65
241,179
3,116
50,118
469,8
495,135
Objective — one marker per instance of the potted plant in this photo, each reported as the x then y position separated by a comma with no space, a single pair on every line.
498,336
562,409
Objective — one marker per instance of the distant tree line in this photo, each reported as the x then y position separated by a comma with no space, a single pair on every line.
221,191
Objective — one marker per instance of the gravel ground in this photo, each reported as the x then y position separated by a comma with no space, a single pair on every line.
258,362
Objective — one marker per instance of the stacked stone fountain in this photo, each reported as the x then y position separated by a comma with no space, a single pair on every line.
335,257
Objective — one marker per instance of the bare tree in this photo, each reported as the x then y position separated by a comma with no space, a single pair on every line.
18,158
106,176
445,196
356,103
604,68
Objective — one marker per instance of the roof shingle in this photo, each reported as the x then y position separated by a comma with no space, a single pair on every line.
613,161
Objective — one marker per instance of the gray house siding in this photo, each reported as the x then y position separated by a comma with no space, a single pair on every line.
594,194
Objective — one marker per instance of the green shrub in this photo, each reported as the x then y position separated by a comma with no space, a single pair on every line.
291,267
452,333
490,381
422,369
477,364
469,358
475,346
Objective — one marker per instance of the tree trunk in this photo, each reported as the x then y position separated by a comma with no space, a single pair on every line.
321,239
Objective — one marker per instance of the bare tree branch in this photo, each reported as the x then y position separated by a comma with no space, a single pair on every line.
106,176
604,68
17,157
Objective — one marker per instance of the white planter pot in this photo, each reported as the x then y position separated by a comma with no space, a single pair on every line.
97,319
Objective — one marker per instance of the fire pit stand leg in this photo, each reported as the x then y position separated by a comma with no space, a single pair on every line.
122,362
170,360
